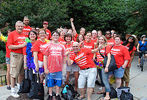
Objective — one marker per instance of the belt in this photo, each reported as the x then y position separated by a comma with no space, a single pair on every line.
85,68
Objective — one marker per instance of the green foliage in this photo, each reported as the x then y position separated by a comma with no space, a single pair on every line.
2,56
91,14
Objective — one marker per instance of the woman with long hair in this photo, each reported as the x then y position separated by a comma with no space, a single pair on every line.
130,44
103,72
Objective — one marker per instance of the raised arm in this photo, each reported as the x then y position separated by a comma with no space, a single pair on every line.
72,25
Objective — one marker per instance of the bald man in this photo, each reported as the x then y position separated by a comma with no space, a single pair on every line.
88,71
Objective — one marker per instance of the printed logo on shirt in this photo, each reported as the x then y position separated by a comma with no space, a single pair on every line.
89,47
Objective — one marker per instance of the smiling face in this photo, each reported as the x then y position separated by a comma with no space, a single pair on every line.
101,40
117,41
55,37
81,38
88,37
75,47
19,26
32,36
42,34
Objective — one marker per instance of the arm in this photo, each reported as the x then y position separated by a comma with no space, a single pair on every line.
108,62
73,27
36,60
45,64
125,64
69,61
138,47
25,62
132,56
17,46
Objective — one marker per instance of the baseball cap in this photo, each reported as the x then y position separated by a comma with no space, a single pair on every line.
45,22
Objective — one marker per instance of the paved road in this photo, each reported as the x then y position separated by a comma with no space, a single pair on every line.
138,84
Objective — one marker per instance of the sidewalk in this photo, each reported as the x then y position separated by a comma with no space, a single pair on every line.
138,84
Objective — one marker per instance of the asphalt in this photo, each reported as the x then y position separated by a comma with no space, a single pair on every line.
138,85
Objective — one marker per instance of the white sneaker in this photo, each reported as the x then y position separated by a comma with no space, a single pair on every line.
15,95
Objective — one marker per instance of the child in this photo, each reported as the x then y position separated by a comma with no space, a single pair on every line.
54,54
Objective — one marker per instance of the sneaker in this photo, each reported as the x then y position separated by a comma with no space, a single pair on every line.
58,97
15,95
138,65
8,88
50,97
76,94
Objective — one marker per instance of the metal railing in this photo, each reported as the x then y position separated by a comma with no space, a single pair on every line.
3,80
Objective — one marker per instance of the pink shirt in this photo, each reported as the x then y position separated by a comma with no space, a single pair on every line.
55,54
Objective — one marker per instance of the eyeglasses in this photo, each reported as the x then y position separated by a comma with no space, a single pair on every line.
131,38
74,46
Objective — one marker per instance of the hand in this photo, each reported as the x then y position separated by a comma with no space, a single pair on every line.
106,69
24,44
37,69
67,53
129,65
138,51
71,19
124,66
46,71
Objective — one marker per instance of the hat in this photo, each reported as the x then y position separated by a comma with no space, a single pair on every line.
45,22
136,40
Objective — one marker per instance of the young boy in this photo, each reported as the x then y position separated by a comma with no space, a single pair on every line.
54,54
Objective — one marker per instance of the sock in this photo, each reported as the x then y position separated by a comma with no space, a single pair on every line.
18,86
50,94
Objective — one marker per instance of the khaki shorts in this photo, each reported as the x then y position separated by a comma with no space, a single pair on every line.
16,64
126,76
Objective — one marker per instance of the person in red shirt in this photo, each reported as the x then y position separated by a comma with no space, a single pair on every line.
99,33
103,72
26,28
16,42
88,43
80,38
88,71
7,58
130,44
61,38
48,32
31,39
122,56
73,68
54,59
110,41
37,53
94,36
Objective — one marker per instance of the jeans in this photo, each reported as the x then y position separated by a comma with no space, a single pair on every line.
105,80
100,75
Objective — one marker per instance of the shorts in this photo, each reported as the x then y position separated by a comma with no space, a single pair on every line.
118,73
7,60
88,75
72,68
140,54
54,79
126,76
16,64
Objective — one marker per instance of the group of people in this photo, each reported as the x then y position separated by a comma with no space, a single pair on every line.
56,54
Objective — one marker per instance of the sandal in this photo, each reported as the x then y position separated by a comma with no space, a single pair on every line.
100,92
107,98
81,98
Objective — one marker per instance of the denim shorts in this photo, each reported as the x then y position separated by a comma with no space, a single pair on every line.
7,60
118,73
54,79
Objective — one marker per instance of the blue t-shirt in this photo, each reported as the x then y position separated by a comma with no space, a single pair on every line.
143,47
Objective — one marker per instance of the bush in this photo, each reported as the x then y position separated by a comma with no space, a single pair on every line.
2,56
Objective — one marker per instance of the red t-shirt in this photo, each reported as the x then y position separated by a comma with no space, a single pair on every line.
121,54
48,32
7,51
94,40
89,45
24,49
14,38
111,41
26,30
37,48
61,40
55,54
130,52
103,52
83,58
75,37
